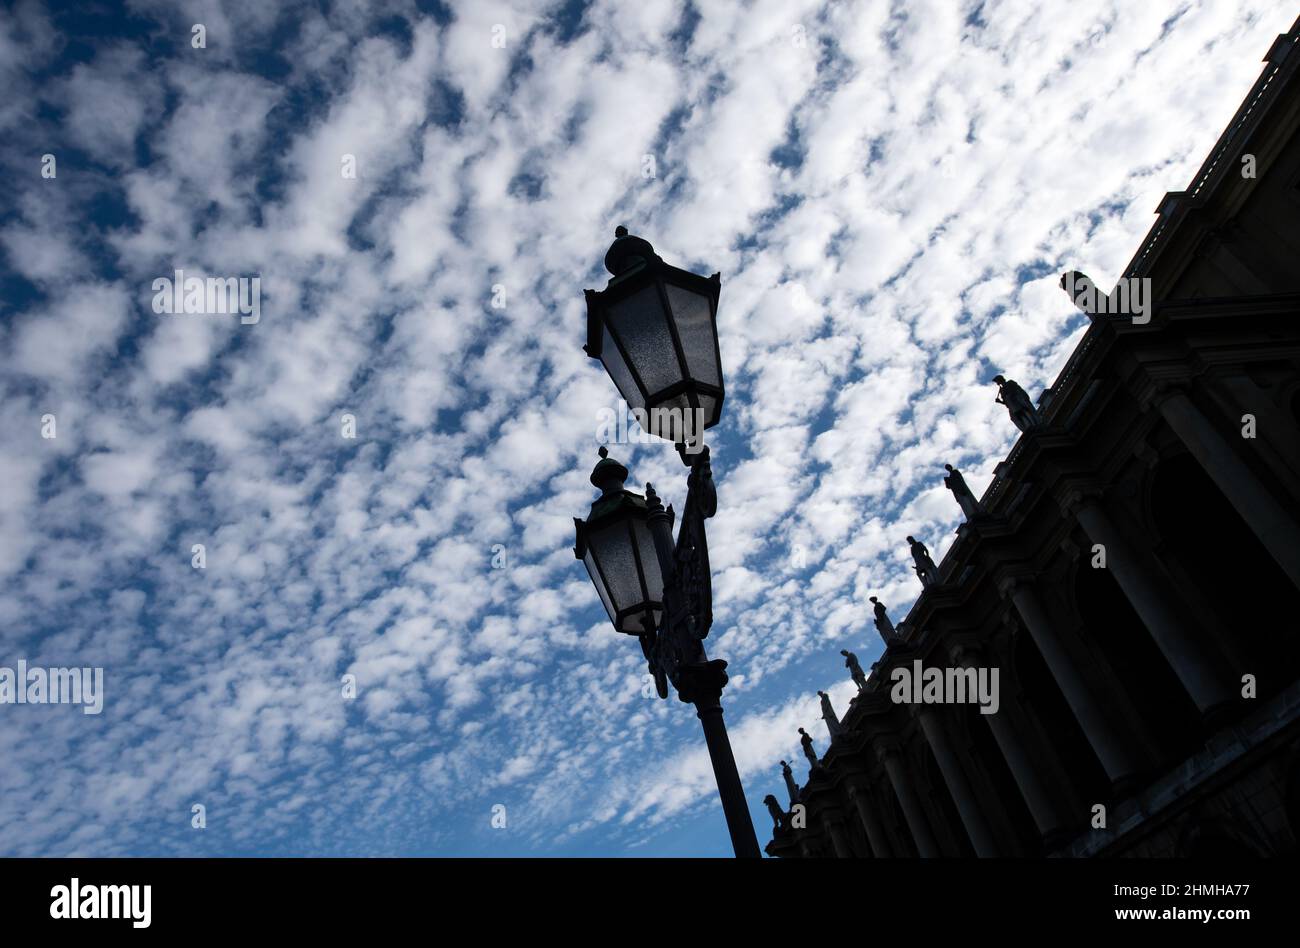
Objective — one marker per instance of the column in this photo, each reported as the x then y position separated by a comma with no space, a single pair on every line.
1188,660
835,829
1042,806
912,811
1272,523
875,832
1111,749
963,794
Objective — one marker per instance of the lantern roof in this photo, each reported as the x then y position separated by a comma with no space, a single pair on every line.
614,501
608,472
628,252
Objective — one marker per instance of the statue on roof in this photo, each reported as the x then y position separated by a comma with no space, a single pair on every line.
924,566
829,716
883,624
774,808
1023,413
806,740
791,787
855,668
965,499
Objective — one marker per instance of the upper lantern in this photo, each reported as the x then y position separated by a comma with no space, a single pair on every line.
655,328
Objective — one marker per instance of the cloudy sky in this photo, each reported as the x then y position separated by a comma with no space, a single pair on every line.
889,191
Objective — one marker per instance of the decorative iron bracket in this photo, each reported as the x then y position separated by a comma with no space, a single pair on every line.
677,653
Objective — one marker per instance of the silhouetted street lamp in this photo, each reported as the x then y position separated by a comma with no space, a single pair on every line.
654,328
616,545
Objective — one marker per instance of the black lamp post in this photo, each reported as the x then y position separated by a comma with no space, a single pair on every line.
654,328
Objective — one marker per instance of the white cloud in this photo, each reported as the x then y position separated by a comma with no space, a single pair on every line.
871,287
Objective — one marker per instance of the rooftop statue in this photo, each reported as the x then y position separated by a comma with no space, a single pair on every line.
957,484
791,787
774,808
926,571
883,625
829,716
1023,413
855,668
806,740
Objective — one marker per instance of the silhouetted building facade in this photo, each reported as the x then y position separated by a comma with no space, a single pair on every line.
1133,572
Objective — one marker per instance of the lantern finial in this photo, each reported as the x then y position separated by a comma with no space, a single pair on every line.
608,474
627,252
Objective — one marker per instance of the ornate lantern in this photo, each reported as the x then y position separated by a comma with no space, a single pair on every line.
618,549
654,327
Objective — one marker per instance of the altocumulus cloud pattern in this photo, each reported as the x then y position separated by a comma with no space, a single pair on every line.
371,485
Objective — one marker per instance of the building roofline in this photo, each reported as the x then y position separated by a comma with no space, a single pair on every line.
1282,62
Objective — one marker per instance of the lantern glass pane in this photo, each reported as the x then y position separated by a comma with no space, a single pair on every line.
599,583
612,547
641,324
695,330
708,410
654,580
618,371
671,419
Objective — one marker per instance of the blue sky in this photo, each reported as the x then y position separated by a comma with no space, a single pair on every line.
889,191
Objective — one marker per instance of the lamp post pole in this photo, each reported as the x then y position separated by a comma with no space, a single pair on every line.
654,327
709,709
678,652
